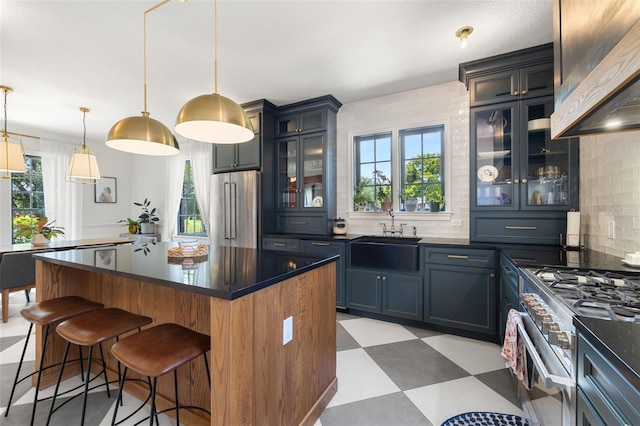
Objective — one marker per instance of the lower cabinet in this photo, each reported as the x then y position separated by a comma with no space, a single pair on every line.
331,247
605,395
508,292
319,247
460,289
392,294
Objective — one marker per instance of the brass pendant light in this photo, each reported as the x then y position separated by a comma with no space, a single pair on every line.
143,135
84,167
11,150
212,117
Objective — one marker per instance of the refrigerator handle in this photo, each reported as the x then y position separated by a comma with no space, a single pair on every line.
233,211
225,216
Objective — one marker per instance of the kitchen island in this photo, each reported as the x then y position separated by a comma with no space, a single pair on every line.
240,297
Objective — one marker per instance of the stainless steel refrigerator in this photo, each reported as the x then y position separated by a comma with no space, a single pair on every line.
235,209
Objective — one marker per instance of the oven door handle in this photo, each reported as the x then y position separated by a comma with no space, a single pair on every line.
550,380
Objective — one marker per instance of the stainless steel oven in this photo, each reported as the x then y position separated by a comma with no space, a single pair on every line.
550,297
549,339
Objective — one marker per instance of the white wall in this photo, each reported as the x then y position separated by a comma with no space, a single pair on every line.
99,219
446,103
610,191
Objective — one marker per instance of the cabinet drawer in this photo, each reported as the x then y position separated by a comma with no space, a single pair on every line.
509,273
524,230
285,244
302,224
614,398
460,257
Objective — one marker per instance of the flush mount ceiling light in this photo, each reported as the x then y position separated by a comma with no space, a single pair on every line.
143,135
84,167
463,34
11,151
212,117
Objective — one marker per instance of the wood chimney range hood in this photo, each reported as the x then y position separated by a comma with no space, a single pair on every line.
597,63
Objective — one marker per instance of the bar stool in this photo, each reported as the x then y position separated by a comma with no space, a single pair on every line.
92,329
47,313
159,350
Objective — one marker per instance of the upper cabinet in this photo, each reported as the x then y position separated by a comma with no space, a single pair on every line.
247,155
513,76
300,123
529,82
305,161
522,183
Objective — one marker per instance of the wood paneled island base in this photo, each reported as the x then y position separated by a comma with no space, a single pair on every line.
256,380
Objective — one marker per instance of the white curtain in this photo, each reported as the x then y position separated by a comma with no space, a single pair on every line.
200,155
62,200
173,193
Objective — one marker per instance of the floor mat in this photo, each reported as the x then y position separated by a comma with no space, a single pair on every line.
478,418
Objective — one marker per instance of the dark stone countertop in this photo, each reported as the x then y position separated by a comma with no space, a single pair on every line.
227,273
618,341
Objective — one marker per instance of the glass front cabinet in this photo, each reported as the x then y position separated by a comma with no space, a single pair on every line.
517,165
301,172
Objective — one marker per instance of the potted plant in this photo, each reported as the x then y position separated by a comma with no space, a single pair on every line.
363,194
410,194
40,232
383,194
434,197
147,218
132,225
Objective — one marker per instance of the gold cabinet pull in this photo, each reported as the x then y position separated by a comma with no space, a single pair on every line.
298,223
457,256
521,228
524,180
516,181
279,244
320,244
492,275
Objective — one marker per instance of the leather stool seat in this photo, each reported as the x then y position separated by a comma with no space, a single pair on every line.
47,313
159,350
59,309
96,327
93,328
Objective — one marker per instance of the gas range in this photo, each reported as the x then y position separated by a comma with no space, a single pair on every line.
603,295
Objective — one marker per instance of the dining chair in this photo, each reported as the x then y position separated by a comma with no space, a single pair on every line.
17,272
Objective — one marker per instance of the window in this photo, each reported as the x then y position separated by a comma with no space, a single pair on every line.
189,220
373,170
422,167
27,197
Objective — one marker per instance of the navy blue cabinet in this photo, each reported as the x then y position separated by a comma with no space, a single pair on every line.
607,396
460,289
522,183
391,294
248,155
304,185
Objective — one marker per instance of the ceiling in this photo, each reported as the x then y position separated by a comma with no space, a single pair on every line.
61,55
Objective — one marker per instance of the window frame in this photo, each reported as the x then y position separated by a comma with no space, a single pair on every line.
422,130
190,214
34,212
375,185
445,122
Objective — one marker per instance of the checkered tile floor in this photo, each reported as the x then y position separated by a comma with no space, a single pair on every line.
388,374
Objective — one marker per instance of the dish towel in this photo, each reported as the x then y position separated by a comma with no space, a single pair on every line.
513,347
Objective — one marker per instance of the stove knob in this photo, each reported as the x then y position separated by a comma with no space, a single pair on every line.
548,325
532,307
560,338
538,315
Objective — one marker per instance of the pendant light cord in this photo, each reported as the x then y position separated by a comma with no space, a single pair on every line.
4,132
144,49
84,127
215,47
